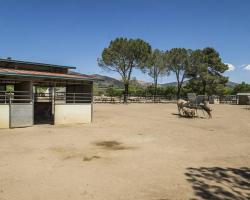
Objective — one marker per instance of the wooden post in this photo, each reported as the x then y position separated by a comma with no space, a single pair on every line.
92,99
53,96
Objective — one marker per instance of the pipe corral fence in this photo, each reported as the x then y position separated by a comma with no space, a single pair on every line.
213,99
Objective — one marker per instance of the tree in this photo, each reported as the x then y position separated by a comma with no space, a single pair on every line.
122,56
207,70
170,90
242,87
156,67
178,61
114,92
135,88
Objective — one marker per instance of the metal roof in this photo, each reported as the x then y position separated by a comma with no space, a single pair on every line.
38,74
34,63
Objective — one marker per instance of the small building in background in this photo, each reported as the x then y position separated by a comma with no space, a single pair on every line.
243,98
37,93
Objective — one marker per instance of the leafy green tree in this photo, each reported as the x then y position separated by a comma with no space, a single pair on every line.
97,90
223,90
170,90
206,71
122,56
135,89
215,89
243,87
156,67
114,92
10,88
178,61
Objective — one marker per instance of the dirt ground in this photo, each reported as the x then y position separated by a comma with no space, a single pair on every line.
136,151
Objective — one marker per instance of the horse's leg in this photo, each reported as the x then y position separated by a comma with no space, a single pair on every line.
196,110
203,111
179,109
209,114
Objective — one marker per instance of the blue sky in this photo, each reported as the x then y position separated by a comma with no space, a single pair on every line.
75,32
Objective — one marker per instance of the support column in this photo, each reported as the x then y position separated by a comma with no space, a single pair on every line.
92,101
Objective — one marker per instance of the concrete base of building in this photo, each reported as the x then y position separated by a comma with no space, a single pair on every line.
4,116
72,114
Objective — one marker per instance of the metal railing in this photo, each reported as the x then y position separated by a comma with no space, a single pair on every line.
43,97
15,97
58,97
228,99
73,98
136,99
4,97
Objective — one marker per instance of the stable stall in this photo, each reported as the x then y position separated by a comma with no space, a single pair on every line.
36,93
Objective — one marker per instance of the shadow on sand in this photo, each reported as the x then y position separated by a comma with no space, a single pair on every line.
220,183
182,116
113,145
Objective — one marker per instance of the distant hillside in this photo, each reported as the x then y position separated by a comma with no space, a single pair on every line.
106,81
229,84
172,84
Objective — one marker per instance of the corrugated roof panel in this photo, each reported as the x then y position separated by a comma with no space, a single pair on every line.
34,63
38,74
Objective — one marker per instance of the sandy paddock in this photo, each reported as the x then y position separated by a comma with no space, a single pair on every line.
137,151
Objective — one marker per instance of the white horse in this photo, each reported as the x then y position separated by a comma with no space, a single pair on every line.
181,104
184,109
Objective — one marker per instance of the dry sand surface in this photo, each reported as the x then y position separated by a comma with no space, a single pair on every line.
137,151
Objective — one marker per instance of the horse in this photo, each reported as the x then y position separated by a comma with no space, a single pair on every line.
188,110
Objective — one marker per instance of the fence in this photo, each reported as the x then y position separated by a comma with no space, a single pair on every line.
73,98
81,98
136,99
15,97
59,97
4,97
227,99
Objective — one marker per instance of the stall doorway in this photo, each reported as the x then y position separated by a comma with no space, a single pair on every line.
43,105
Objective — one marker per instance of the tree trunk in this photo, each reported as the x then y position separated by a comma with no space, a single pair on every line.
178,84
178,92
155,89
125,97
204,88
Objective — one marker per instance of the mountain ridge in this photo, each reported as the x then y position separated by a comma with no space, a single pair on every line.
107,81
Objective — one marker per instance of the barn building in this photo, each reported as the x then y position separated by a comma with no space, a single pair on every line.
36,93
243,98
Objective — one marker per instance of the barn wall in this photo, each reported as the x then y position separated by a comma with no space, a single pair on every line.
72,113
4,116
242,100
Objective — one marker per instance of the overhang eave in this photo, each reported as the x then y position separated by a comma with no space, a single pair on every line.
46,76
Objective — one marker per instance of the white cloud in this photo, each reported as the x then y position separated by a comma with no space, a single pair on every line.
247,67
231,67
